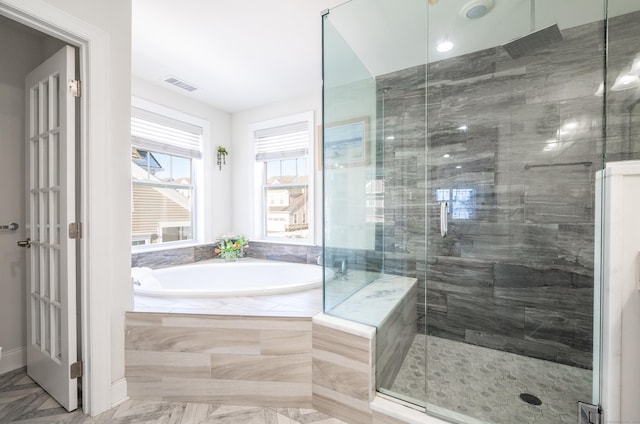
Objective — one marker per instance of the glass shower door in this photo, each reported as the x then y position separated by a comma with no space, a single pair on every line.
514,139
480,186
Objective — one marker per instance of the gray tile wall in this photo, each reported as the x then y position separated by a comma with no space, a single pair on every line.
516,270
185,255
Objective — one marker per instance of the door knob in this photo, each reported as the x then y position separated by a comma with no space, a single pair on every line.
25,243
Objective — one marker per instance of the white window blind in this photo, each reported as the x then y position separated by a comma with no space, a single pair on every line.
282,142
161,134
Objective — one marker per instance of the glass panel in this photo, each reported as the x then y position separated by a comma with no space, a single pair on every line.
499,138
55,160
35,321
157,209
180,170
54,272
58,336
45,276
44,90
162,209
46,326
273,170
162,166
35,213
287,212
35,116
55,94
55,210
44,217
44,161
514,141
352,248
35,270
623,84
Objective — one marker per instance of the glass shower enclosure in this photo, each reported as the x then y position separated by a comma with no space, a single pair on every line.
460,145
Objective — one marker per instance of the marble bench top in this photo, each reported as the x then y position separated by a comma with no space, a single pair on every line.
373,303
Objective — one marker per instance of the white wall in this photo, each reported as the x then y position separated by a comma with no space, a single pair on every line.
21,50
621,295
242,163
218,186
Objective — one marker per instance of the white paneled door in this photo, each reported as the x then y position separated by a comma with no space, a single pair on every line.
51,258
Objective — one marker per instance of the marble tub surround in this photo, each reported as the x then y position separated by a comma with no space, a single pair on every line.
240,360
301,304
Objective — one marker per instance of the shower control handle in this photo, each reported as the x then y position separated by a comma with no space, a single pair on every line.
444,219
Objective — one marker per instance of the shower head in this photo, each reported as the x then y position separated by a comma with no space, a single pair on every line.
533,41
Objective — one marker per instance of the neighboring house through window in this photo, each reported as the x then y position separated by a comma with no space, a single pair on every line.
165,157
284,168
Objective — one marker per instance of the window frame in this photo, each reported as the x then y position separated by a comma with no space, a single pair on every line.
260,175
200,177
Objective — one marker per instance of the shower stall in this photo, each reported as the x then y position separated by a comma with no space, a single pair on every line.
461,141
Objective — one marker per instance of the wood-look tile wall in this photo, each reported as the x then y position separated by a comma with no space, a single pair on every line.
343,376
264,361
394,337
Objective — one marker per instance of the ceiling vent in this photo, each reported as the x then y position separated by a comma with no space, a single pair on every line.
180,83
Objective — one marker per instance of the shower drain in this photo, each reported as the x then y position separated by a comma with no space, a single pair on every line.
530,399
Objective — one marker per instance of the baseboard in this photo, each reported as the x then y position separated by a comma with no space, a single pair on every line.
119,392
13,359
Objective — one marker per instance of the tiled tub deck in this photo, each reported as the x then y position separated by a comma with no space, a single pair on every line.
251,351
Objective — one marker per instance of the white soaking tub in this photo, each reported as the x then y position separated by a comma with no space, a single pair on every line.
217,278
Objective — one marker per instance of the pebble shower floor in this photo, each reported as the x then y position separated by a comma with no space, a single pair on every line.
486,384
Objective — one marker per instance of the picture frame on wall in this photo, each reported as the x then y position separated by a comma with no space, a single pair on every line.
345,143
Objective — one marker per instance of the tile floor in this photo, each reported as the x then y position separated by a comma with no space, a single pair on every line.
22,401
485,384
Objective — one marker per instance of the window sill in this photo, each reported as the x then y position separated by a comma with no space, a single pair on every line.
306,243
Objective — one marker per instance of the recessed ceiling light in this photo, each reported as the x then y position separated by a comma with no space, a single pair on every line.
476,9
444,46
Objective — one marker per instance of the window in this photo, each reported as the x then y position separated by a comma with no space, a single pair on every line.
165,154
284,172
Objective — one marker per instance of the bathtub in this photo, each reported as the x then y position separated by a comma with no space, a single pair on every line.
217,278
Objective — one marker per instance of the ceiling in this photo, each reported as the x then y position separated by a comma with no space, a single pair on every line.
246,53
240,54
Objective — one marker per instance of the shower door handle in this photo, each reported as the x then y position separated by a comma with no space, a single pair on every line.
444,220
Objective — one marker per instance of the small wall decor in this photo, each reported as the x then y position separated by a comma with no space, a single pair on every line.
346,143
222,157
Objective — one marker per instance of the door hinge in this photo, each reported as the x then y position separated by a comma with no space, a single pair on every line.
76,88
589,414
75,230
75,370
